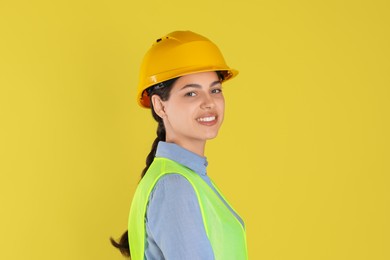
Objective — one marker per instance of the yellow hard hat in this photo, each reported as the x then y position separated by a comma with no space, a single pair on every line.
176,54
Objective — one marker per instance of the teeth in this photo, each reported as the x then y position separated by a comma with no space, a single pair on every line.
207,119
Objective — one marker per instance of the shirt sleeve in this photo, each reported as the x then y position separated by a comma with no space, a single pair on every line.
174,224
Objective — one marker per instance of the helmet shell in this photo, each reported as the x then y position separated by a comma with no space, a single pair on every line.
177,54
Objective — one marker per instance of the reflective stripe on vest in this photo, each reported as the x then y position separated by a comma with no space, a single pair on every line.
223,229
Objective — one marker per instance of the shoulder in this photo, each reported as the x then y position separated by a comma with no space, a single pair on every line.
174,186
173,179
174,220
173,197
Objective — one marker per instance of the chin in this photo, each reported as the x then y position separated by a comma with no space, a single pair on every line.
211,136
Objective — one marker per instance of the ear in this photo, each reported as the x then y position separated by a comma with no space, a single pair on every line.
158,106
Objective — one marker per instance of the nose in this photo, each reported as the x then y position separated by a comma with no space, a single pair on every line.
207,102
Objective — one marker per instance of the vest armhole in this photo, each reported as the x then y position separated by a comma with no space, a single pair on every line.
165,169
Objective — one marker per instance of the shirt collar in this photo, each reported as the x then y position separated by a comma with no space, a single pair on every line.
185,157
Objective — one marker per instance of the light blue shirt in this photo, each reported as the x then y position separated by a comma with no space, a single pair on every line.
174,224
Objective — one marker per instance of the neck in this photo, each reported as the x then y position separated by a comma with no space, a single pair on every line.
197,147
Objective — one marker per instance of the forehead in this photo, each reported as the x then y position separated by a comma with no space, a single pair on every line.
204,79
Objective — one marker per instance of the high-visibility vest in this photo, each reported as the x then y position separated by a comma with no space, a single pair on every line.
225,232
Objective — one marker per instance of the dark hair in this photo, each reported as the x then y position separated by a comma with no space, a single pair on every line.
162,90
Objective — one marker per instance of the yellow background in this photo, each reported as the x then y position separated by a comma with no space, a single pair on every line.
303,154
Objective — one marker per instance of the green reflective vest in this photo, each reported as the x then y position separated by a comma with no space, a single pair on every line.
225,232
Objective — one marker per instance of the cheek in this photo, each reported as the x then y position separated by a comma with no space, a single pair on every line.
221,105
179,114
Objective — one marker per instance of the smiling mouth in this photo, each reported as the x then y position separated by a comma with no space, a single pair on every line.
207,119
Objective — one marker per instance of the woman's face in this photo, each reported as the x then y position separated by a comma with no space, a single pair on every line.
195,109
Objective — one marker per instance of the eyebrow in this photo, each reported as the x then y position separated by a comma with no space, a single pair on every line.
194,85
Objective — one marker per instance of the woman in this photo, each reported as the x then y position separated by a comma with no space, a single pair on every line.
177,212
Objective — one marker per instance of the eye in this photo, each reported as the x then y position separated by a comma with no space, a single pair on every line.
190,94
216,91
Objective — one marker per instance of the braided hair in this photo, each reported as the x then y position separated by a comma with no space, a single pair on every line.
162,90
